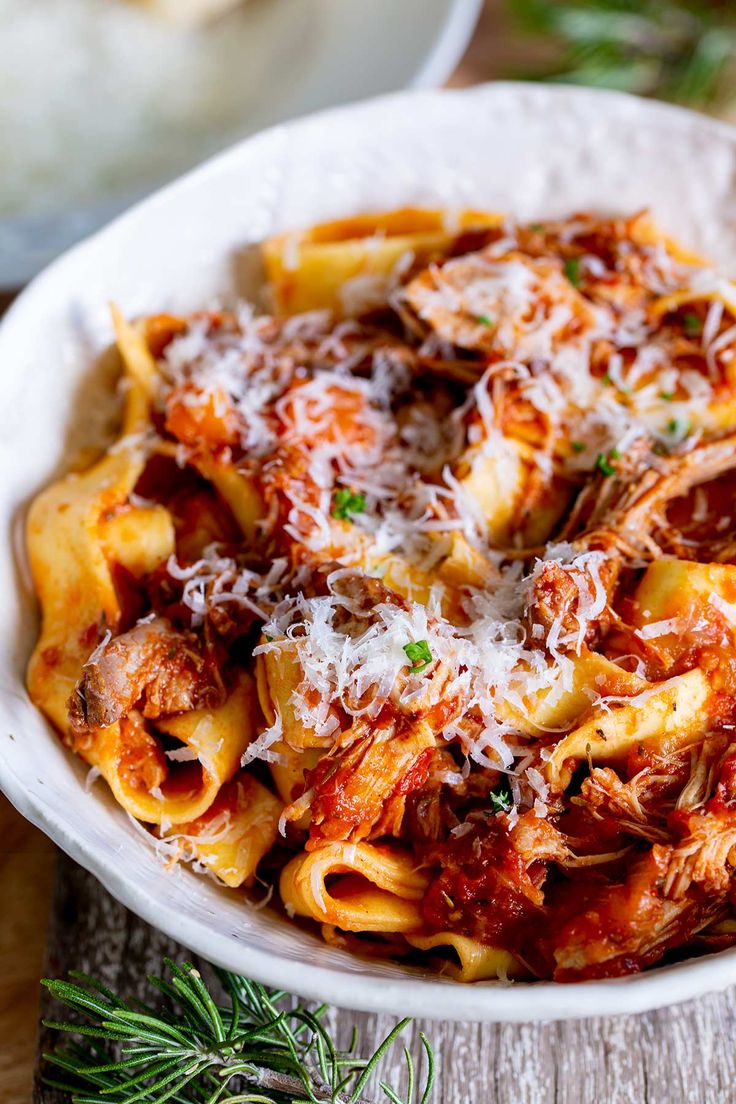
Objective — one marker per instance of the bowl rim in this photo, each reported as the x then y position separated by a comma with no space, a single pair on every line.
430,998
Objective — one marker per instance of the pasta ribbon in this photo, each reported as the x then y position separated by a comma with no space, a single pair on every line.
558,707
131,759
312,270
72,574
237,830
237,489
674,712
371,888
278,675
676,598
138,538
508,495
475,961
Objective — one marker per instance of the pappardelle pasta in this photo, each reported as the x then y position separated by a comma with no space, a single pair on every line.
415,599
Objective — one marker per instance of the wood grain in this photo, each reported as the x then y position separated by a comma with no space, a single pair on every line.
681,1055
26,875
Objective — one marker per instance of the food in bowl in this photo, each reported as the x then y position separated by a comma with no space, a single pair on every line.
415,599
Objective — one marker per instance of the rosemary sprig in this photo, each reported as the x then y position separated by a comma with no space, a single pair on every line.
255,1048
674,49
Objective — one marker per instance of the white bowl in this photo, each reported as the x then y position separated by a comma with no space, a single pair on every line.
301,55
535,151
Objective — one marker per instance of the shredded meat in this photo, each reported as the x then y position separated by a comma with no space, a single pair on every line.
361,792
446,299
640,805
623,509
362,593
620,515
630,925
556,599
706,855
155,664
490,884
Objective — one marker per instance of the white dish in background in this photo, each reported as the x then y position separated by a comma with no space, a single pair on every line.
297,56
535,151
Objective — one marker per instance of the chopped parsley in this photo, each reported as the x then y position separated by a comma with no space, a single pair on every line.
679,426
577,446
536,227
346,503
419,655
485,320
500,800
572,270
607,381
693,325
668,396
603,462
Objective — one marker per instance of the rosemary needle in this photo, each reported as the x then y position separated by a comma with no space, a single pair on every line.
677,50
256,1047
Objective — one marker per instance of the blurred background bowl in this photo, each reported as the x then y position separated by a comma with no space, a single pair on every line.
303,55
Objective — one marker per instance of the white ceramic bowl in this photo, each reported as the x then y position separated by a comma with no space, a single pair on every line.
302,55
535,151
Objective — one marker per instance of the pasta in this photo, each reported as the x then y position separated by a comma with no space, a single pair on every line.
415,600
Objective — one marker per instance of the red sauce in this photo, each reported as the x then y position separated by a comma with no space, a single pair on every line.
484,890
416,775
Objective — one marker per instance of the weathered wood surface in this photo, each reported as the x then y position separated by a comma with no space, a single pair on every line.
683,1055
26,874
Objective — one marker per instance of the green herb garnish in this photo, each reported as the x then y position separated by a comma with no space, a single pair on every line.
679,426
572,270
196,1047
346,503
485,320
693,325
668,396
419,655
537,227
577,446
500,800
603,462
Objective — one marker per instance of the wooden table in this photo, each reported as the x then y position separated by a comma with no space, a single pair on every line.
27,862
683,1055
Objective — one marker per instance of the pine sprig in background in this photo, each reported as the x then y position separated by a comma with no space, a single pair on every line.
679,50
256,1047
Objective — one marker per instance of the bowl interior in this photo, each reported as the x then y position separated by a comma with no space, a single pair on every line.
532,151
